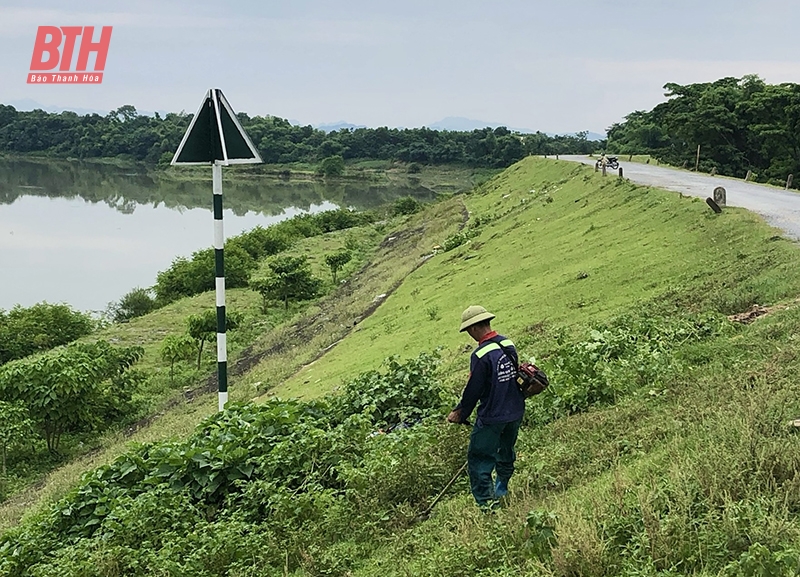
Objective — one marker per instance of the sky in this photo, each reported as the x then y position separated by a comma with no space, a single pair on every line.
555,66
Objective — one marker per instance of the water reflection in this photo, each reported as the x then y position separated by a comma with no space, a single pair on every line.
123,190
86,234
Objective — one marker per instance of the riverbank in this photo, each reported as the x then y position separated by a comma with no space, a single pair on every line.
663,446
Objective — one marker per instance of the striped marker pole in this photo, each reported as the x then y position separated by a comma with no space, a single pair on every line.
219,266
216,137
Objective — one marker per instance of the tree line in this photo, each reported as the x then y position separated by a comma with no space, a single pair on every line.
740,124
153,139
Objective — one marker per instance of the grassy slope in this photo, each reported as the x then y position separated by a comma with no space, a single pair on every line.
561,221
698,467
676,472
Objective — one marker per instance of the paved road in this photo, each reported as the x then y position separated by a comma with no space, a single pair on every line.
780,208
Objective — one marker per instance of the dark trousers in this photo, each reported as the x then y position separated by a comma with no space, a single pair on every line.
491,447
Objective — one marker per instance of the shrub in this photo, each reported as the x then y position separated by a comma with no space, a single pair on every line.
331,166
336,261
290,279
298,466
457,239
203,327
187,277
75,388
176,348
24,331
404,393
190,277
261,242
136,303
631,351
406,205
15,427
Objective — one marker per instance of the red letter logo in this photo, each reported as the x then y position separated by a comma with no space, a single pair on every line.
88,46
43,45
70,34
46,55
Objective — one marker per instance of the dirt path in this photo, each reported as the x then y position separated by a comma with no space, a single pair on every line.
780,208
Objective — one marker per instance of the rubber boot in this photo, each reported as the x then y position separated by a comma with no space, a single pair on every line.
500,489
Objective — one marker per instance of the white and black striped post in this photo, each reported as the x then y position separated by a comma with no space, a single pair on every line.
216,137
219,271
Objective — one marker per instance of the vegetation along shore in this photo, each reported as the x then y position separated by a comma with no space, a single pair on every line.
664,445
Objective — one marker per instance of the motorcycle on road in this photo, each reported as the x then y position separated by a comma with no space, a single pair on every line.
612,162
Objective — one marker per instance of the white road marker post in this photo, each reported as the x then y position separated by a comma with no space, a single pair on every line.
215,137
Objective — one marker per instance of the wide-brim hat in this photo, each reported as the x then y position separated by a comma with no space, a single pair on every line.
473,315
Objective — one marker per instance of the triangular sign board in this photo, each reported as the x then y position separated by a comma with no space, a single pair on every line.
216,136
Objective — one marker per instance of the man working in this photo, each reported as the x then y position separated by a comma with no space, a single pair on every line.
491,381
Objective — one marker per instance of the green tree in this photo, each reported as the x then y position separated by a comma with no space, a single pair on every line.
332,166
187,277
15,427
176,348
406,205
76,387
740,124
154,139
24,331
136,303
263,286
337,260
290,279
203,327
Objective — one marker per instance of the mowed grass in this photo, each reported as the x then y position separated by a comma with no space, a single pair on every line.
333,322
565,247
696,475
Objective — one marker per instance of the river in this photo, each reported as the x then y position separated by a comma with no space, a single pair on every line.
87,233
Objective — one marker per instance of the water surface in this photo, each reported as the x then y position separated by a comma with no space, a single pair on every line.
86,234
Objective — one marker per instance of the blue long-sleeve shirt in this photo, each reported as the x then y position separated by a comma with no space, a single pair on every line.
492,383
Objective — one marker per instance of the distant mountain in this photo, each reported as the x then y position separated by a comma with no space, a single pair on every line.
333,127
27,104
461,124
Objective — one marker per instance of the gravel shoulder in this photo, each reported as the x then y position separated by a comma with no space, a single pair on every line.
778,207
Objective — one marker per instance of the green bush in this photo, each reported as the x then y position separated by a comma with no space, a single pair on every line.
336,261
630,352
457,239
188,277
136,303
404,393
80,387
331,166
24,331
261,242
285,476
289,279
406,205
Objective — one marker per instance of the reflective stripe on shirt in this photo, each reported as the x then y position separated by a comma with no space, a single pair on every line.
493,347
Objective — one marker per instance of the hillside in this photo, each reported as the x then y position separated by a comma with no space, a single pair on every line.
663,447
